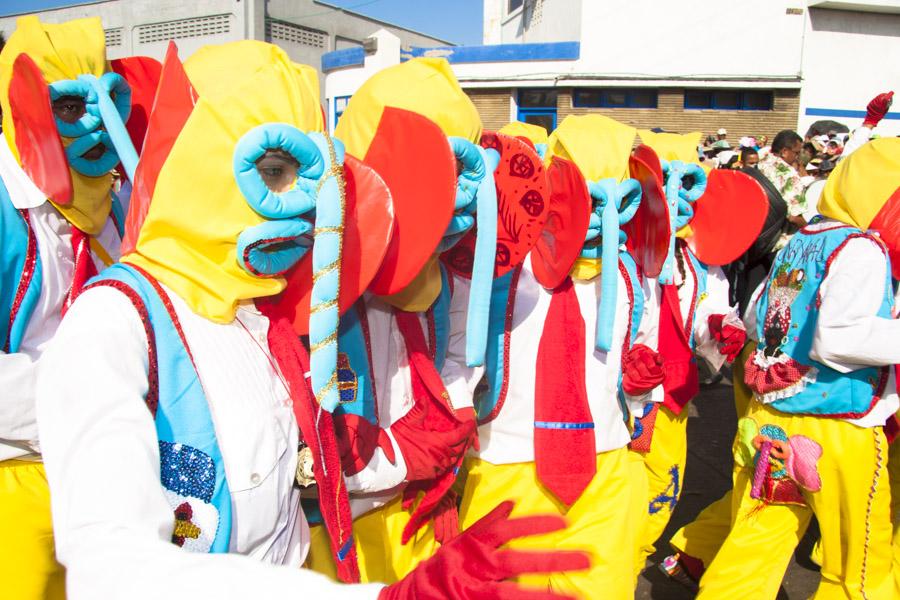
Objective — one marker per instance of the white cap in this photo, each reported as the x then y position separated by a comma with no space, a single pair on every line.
722,131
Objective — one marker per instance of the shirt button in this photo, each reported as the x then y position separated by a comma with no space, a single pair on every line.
255,479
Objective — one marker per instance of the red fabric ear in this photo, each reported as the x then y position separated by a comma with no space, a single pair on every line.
413,156
142,74
887,224
568,216
173,105
368,226
522,200
728,217
648,231
37,139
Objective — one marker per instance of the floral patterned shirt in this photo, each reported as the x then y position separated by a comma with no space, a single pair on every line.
786,180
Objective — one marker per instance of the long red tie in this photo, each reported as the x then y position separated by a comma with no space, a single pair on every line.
564,448
84,266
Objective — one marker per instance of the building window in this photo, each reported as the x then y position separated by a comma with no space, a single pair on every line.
538,107
513,5
728,99
340,105
113,36
615,98
291,32
185,28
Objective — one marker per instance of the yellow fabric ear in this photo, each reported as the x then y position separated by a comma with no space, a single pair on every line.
860,185
421,292
189,239
535,133
673,146
426,86
598,145
685,232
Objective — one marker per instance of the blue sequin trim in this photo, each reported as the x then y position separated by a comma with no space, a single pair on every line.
187,471
561,425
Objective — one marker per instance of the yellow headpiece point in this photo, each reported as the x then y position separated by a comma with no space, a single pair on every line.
535,133
600,146
673,146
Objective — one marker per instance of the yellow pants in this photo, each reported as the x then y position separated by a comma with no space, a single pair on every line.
603,521
28,567
382,558
702,538
853,509
665,475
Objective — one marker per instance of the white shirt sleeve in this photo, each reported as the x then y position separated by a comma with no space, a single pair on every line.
18,424
849,335
111,520
714,302
459,379
859,138
648,334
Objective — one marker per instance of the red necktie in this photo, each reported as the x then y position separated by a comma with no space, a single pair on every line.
84,266
565,452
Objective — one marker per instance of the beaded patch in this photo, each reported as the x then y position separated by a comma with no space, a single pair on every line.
188,476
347,382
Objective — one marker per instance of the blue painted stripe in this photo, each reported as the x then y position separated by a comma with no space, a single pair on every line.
850,114
347,57
499,52
561,425
345,549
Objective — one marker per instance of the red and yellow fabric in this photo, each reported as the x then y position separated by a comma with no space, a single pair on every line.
853,507
381,555
529,131
28,567
61,52
603,520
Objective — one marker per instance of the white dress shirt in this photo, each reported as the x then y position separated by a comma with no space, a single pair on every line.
112,522
849,335
53,234
509,438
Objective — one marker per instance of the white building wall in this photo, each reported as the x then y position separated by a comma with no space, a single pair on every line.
848,58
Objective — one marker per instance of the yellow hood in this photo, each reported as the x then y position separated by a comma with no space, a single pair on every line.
61,52
188,240
600,146
535,133
861,184
673,146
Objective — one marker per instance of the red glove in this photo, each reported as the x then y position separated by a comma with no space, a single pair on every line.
641,370
473,567
731,339
446,518
357,440
877,108
431,443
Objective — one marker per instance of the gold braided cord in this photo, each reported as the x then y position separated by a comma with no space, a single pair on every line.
331,339
327,388
334,229
322,306
879,464
325,271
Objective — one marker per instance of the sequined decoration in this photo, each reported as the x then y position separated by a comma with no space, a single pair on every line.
187,471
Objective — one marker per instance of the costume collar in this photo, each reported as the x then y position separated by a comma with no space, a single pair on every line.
23,193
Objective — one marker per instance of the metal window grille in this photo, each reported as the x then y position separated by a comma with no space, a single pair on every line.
113,36
290,32
184,28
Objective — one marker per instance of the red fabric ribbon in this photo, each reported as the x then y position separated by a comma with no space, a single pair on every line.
682,381
85,268
565,452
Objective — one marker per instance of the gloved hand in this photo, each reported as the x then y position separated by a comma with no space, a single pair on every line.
431,443
357,440
730,337
877,108
473,567
446,518
641,370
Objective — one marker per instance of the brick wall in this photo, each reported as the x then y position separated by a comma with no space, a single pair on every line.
493,104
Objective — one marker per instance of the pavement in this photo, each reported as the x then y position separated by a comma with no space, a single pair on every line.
711,426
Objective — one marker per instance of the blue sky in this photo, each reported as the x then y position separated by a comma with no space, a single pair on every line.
458,21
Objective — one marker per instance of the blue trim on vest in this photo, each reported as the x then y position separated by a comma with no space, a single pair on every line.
345,549
355,383
486,401
637,308
561,425
191,464
791,326
14,236
440,310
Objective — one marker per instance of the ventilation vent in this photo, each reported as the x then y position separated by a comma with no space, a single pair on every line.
185,28
113,36
289,32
